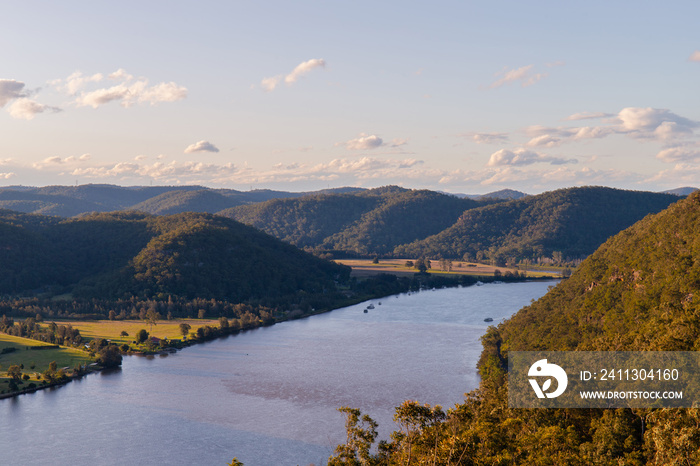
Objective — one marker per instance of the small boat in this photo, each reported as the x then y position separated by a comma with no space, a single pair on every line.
479,283
371,306
365,311
488,319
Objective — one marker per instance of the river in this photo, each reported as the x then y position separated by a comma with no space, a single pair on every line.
267,396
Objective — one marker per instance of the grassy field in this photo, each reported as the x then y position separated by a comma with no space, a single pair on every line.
36,360
111,329
365,267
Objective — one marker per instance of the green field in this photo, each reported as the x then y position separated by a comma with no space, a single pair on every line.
35,360
111,329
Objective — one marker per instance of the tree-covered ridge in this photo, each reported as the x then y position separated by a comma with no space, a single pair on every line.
573,222
307,221
69,201
638,291
364,223
128,254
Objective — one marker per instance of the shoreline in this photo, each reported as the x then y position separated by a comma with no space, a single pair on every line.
221,333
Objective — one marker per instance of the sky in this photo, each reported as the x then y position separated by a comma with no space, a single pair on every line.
456,96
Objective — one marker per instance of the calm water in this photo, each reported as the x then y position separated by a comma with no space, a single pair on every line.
268,396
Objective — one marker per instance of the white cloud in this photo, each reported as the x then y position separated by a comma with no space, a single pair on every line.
588,116
304,68
26,109
128,91
398,142
363,142
521,157
523,74
655,123
488,138
677,154
10,90
121,75
55,161
545,140
7,176
269,84
695,56
76,82
201,146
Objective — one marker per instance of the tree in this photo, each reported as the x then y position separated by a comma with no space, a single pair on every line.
185,329
361,433
152,318
14,372
223,323
141,335
109,356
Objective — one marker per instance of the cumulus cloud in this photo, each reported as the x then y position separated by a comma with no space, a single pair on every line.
26,109
521,157
695,56
680,154
363,142
128,91
75,82
201,146
655,123
56,161
10,90
269,84
523,74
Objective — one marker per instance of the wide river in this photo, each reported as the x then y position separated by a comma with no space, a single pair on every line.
267,396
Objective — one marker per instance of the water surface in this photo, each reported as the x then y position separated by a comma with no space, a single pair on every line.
268,396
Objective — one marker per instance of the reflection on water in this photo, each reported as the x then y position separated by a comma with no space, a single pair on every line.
268,396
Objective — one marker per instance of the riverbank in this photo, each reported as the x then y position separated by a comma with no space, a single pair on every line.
132,336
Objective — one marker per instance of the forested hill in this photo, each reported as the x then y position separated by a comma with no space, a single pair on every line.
573,221
638,291
124,255
366,223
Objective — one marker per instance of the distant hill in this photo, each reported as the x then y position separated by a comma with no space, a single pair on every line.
681,191
69,201
636,292
503,194
118,255
572,221
365,223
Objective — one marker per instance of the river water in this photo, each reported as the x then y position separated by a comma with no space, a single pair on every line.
267,396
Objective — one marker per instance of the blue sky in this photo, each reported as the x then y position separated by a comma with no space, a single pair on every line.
464,97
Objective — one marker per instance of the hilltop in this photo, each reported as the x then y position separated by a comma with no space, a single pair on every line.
572,222
120,255
364,223
638,291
